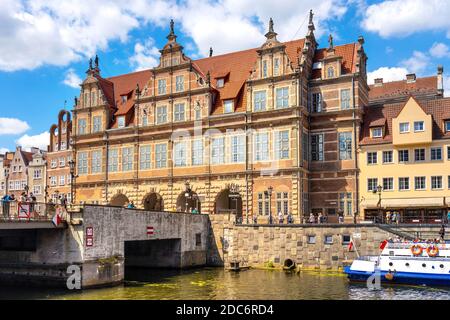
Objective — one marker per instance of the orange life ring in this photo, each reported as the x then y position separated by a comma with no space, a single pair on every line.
416,249
432,250
389,276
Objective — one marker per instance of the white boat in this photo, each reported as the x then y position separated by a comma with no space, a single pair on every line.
417,263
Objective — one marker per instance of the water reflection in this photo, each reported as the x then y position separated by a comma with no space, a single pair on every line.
212,283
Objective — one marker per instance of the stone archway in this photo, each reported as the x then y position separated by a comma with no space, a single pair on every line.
153,202
226,204
119,200
192,202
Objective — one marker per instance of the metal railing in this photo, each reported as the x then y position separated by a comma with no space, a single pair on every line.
14,211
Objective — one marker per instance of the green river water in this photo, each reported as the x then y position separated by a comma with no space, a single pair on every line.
216,283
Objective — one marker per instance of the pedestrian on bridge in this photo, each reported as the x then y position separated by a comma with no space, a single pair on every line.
5,205
442,233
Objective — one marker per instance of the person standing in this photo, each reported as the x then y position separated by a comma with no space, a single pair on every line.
290,218
320,218
442,233
280,217
5,205
388,217
312,219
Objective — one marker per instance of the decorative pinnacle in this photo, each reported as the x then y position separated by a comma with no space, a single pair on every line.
172,35
271,34
330,42
96,61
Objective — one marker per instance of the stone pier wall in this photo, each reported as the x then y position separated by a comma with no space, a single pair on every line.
258,245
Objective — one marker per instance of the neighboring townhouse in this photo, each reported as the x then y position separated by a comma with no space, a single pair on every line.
37,176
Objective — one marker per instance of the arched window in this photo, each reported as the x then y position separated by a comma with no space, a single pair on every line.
330,72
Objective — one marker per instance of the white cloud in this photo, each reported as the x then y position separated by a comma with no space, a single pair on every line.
40,141
146,55
404,17
417,63
12,126
439,50
3,150
54,32
388,74
72,79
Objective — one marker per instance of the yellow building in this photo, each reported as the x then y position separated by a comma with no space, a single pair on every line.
404,161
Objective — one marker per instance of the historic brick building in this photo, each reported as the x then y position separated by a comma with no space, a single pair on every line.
284,115
58,159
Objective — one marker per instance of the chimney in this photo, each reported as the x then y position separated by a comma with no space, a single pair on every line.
378,82
440,80
411,78
210,51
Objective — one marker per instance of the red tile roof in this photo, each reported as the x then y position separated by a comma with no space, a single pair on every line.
437,108
403,89
348,52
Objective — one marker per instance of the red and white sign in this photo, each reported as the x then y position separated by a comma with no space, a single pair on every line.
89,242
24,210
89,231
150,230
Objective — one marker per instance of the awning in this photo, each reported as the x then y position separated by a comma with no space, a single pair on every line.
405,203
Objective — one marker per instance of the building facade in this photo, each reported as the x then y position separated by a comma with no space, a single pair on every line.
266,130
59,156
405,160
37,170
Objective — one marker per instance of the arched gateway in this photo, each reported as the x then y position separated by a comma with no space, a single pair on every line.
153,202
119,200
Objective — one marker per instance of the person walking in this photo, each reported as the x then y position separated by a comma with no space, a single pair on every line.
442,233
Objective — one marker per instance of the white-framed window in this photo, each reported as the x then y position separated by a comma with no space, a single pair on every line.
404,127
403,155
403,183
86,99
436,182
316,102
436,154
178,114
121,121
220,82
162,86
283,203
388,184
447,126
345,145
281,144
282,95
198,112
259,100
37,174
419,154
161,114
419,126
228,106
96,124
218,150
276,66
388,156
420,183
330,72
81,126
372,157
261,146
197,152
145,157
82,163
238,148
180,153
62,180
372,184
345,99
127,159
113,160
37,190
179,83
144,118
96,161
62,161
63,145
264,69
94,98
317,147
263,203
161,155
377,132
53,181
346,203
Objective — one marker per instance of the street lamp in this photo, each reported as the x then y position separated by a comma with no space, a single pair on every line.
378,190
269,193
234,195
187,194
72,177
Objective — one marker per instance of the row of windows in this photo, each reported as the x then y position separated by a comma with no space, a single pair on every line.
316,101
281,100
345,141
276,68
59,180
61,162
15,185
420,183
282,203
436,154
96,125
223,150
179,85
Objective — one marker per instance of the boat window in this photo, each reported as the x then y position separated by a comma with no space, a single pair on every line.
391,264
424,265
442,266
407,264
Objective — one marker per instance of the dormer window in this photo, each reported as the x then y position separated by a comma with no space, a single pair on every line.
419,126
124,98
330,72
317,65
404,127
264,69
447,126
220,82
377,132
276,67
228,106
121,122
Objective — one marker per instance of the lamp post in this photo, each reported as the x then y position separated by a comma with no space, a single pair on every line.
26,187
269,193
187,194
234,195
378,190
72,177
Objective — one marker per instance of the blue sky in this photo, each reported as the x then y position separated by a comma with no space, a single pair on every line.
45,45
